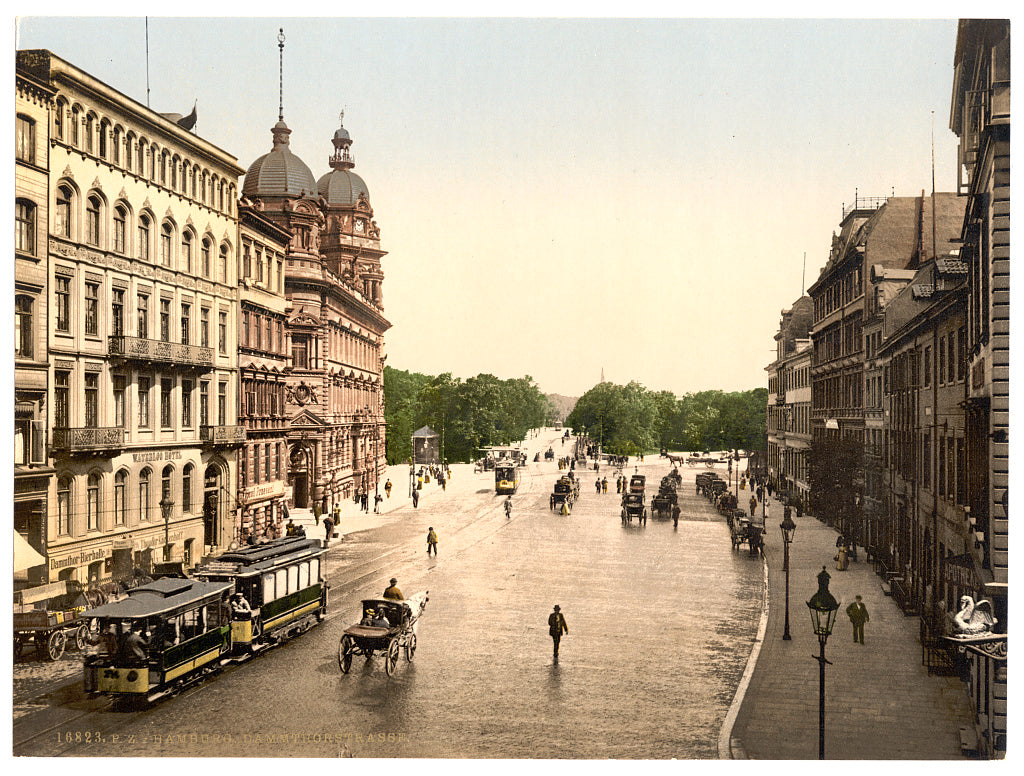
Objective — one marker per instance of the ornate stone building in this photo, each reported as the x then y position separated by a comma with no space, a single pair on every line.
334,319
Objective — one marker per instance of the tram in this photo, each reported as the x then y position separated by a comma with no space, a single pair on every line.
173,631
506,478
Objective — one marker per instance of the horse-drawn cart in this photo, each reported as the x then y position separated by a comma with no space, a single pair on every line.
387,627
743,530
50,629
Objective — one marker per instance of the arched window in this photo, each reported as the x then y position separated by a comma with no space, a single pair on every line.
25,226
115,141
186,488
193,177
90,133
206,250
92,503
223,264
23,326
144,476
129,145
93,206
62,212
104,128
165,484
144,229
120,498
140,161
64,506
75,121
186,251
58,119
120,229
166,235
164,161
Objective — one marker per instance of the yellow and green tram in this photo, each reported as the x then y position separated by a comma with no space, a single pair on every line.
506,478
172,631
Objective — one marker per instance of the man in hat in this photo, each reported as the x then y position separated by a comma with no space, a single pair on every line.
556,626
858,614
431,541
392,593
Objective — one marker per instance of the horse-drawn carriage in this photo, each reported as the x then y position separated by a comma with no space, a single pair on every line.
666,498
49,617
744,530
633,506
566,491
387,627
549,454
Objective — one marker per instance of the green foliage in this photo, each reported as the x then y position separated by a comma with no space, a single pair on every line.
470,414
629,418
834,472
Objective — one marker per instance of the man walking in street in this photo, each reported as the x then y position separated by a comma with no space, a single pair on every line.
556,626
431,541
858,614
415,499
387,488
328,530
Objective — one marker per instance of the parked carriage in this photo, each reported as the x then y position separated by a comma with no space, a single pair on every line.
633,506
387,628
743,530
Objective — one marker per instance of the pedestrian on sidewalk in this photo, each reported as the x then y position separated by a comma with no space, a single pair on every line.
328,530
316,512
431,541
675,515
377,498
858,614
387,488
337,513
753,505
556,626
415,499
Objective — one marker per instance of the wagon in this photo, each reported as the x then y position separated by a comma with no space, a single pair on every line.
388,639
743,530
57,621
633,506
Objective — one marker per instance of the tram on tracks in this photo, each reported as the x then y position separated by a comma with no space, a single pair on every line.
506,478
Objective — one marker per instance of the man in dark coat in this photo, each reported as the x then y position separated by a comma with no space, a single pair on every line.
556,626
858,614
328,529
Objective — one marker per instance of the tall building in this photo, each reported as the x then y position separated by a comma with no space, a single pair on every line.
789,401
139,310
980,117
335,325
32,472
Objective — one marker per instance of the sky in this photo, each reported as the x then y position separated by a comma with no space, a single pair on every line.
566,197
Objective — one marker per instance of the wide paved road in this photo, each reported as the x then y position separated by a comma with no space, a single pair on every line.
661,621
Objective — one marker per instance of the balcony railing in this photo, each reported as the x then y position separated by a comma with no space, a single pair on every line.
85,440
160,352
222,435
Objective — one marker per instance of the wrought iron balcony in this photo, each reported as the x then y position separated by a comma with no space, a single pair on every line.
87,440
160,352
226,436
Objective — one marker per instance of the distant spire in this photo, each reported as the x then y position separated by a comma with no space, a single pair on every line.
602,374
280,74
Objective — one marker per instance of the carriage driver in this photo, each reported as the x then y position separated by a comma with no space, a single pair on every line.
392,593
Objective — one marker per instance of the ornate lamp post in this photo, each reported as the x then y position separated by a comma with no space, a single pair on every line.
823,607
788,532
166,507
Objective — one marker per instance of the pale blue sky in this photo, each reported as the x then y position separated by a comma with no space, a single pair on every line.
559,196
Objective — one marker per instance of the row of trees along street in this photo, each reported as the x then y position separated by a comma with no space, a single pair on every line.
467,414
630,419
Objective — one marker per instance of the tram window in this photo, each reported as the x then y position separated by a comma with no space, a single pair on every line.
293,578
268,588
314,570
303,576
194,622
282,583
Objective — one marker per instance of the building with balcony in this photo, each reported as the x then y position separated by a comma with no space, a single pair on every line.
138,237
32,473
334,323
262,366
789,402
980,117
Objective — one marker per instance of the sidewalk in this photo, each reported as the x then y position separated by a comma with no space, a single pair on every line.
880,703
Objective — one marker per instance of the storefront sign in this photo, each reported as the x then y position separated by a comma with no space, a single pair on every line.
81,558
263,491
959,571
157,455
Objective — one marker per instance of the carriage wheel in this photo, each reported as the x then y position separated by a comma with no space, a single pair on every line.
55,644
410,647
345,650
391,658
81,636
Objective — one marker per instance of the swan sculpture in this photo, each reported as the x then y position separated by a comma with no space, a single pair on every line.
973,618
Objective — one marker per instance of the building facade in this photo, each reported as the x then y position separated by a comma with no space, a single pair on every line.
141,299
980,117
789,402
32,472
334,320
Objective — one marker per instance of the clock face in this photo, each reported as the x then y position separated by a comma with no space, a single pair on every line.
360,225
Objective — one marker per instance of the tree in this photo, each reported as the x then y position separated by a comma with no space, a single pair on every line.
834,473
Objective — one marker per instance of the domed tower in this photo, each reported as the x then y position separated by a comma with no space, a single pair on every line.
351,239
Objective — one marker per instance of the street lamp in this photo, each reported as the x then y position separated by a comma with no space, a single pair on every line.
788,531
823,607
166,506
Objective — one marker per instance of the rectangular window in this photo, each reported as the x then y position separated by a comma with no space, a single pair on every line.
25,227
222,404
92,399
93,504
245,329
961,352
204,327
951,349
92,308
280,275
117,312
143,390
186,403
166,386
61,399
204,403
299,360
142,306
246,261
222,332
926,460
259,265
961,479
119,383
25,140
186,323
120,507
165,320
63,294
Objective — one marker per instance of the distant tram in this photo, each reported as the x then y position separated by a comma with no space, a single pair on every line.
506,478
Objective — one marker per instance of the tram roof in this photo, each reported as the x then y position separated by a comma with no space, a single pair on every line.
252,560
160,596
